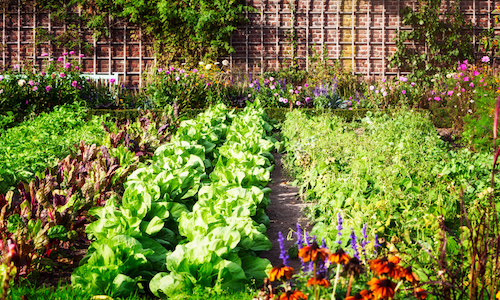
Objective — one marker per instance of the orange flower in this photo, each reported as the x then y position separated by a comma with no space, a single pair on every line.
363,295
293,295
420,293
387,266
319,281
409,275
278,273
382,288
313,252
339,257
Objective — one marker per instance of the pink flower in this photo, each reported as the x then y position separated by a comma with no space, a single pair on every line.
350,108
201,76
384,80
112,80
290,91
177,78
82,55
463,67
62,75
462,90
48,88
16,66
65,53
296,92
271,78
35,88
31,82
384,93
60,58
276,94
272,87
298,103
167,72
466,78
306,85
194,70
181,71
281,99
74,83
76,68
308,99
251,85
44,54
285,100
485,59
449,93
471,84
71,52
404,92
476,73
160,70
67,66
249,95
437,98
372,87
299,88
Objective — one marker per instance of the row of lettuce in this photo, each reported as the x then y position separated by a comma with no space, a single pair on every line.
396,175
194,215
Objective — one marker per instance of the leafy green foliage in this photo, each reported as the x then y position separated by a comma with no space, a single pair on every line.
33,145
439,37
183,29
393,173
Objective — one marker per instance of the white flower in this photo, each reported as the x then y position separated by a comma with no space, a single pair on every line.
216,63
225,62
208,67
201,63
470,111
372,87
472,101
21,82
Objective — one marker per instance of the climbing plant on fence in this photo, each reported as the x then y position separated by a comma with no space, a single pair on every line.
439,38
184,29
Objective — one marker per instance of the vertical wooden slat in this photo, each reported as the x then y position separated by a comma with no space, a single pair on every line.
383,38
353,36
80,34
140,57
34,35
277,34
323,30
474,25
398,26
246,38
95,55
368,49
50,31
19,30
262,36
307,34
3,36
338,28
124,53
110,46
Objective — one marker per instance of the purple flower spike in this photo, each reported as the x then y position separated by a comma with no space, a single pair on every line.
323,244
300,241
283,254
354,244
339,228
307,239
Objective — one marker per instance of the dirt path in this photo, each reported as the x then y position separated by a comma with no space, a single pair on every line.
285,211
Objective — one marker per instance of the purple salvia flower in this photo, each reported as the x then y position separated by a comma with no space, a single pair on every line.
323,243
376,245
300,241
307,239
283,254
339,228
354,244
364,241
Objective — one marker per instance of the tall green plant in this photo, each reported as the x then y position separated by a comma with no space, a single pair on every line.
440,39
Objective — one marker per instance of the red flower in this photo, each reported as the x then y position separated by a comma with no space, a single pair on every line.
319,281
422,294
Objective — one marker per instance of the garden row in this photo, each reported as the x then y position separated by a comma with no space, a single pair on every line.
193,217
393,177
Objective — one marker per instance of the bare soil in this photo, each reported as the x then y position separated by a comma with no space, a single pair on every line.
285,211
